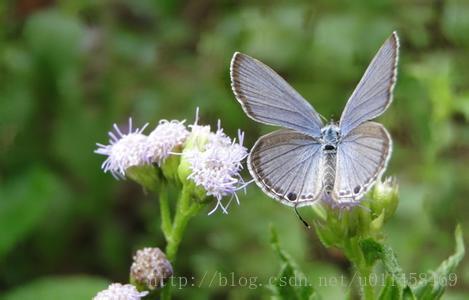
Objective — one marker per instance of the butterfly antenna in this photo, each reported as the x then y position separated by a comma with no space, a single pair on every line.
301,218
323,118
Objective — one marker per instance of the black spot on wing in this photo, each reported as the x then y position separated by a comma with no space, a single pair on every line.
291,196
357,189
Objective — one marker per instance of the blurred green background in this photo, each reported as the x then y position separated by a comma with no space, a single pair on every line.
70,69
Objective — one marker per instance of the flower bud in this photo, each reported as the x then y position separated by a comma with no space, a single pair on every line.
146,175
385,198
335,224
169,167
195,142
198,137
150,268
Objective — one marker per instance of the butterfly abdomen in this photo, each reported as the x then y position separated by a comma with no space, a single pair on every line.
329,161
330,135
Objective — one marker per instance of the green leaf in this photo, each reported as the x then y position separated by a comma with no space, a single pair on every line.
392,266
408,294
435,283
390,290
71,288
325,235
291,283
396,287
373,250
24,203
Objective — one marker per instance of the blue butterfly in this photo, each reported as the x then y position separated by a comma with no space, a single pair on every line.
308,160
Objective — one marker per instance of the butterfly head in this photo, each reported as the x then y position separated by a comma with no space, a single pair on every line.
330,136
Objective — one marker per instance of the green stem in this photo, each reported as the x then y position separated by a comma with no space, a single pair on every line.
165,212
186,208
354,253
367,289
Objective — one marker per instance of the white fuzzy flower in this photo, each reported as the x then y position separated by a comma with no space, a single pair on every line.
117,291
124,150
164,138
217,164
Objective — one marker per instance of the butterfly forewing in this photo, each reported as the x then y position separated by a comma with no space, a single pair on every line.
373,93
268,98
286,165
362,156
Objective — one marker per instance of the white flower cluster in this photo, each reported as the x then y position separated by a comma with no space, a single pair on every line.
136,149
117,291
214,158
216,166
124,150
166,136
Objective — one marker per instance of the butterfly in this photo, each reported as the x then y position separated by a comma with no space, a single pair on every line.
307,160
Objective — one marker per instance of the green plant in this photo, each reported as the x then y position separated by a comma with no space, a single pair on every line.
358,233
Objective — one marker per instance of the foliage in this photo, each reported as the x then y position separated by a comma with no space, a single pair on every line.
69,69
73,288
290,283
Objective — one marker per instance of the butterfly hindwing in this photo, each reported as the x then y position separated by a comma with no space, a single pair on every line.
362,157
286,164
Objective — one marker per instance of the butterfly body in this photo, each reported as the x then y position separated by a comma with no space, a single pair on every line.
330,137
329,164
307,161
